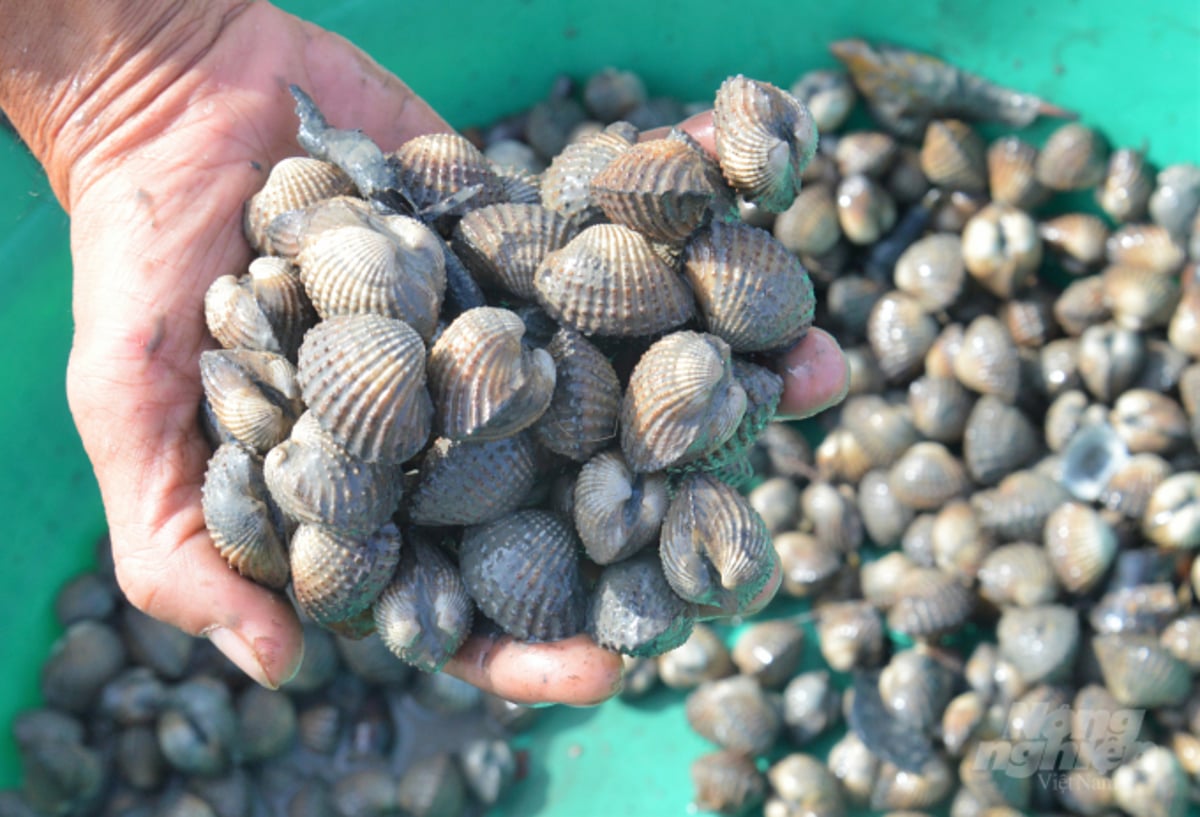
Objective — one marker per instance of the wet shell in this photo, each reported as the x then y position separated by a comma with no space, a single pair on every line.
436,166
610,94
807,563
727,782
1148,246
293,183
1040,641
682,401
806,785
939,407
335,577
617,512
932,271
503,244
931,602
355,270
883,516
1184,328
1149,422
582,415
1059,363
1172,518
702,657
998,440
1030,319
736,714
424,614
1129,488
245,524
265,310
1082,305
715,548
253,394
1081,236
751,291
960,543
764,138
900,332
833,515
1075,157
469,483
661,188
1140,299
810,226
952,156
1110,358
1012,179
634,611
1176,197
609,280
1001,249
879,579
1080,544
866,211
1018,574
770,652
867,152
1140,672
915,687
288,232
523,572
485,382
988,361
855,767
566,184
363,378
927,477
1125,192
850,635
1182,638
1153,784
777,501
811,704
829,95
896,788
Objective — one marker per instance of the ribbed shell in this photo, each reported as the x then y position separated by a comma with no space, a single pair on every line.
356,270
1081,305
245,525
1040,642
293,183
735,713
485,383
503,244
927,476
566,184
869,152
316,482
1148,421
988,361
885,431
336,577
617,512
752,292
288,232
770,652
810,226
1019,573
1075,157
523,572
866,211
763,389
1140,299
900,332
715,547
469,483
1184,328
884,517
850,634
609,280
1127,186
436,166
1082,236
425,613
265,310
363,378
1172,518
953,156
727,782
807,563
682,401
1129,488
254,395
1002,249
1012,176
661,188
1140,672
932,271
1080,544
582,415
915,687
939,407
930,602
634,611
998,440
764,138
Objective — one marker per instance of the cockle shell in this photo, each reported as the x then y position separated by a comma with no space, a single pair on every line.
1018,574
662,188
1130,487
1125,191
336,577
289,232
1080,544
1001,249
1041,641
1139,298
1139,605
363,379
1140,672
1029,318
988,361
884,517
811,704
927,476
884,431
611,93
833,515
715,548
293,183
609,280
1075,157
265,310
485,382
1011,175
634,611
921,789
316,482
939,407
1081,236
930,602
810,225
682,401
806,786
522,570
764,138
751,291
245,524
727,782
915,688
900,332
435,166
566,183
1110,358
1149,422
254,395
1059,364
702,657
1152,784
1148,246
867,152
866,211
807,563
735,713
1172,518
998,439
424,614
829,95
1184,328
472,482
953,156
855,767
932,271
1082,305
582,415
960,543
777,501
770,652
617,512
850,635
503,244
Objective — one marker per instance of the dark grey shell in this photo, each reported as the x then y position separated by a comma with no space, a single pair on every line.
582,416
617,511
634,611
434,167
1018,507
469,483
336,577
254,395
566,183
81,662
735,713
523,572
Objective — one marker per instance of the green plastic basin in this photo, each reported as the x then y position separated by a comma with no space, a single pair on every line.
1131,69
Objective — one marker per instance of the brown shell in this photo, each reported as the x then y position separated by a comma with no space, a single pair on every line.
1018,574
807,564
884,517
245,525
682,401
293,183
617,512
1080,544
436,166
1075,157
1002,249
735,713
503,244
752,292
1129,488
939,407
609,280
1029,318
1018,507
661,188
1172,518
522,570
1081,236
850,635
715,548
764,138
900,332
1110,359
363,378
289,231
928,476
566,183
254,395
485,383
1148,421
869,152
998,439
1082,304
336,577
884,430
988,361
1184,328
770,652
469,482
930,602
1140,298
866,211
810,226
582,415
953,156
727,782
932,271
1059,371
1125,192
1012,178
634,611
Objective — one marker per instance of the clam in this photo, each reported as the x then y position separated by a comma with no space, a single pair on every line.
727,782
848,301
197,732
1080,545
1019,574
1075,157
1153,784
503,244
702,657
811,704
609,280
764,138
266,723
81,662
265,310
424,614
610,93
1059,363
489,768
1129,488
810,225
777,501
1143,607
915,688
156,644
486,383
1183,329
1040,641
252,394
616,511
923,788
1012,179
807,563
867,152
833,515
1182,638
1110,358
1139,298
736,714
1146,246
1172,517
292,184
469,483
998,440
138,760
806,785
960,543
1001,249
431,786
730,460
1176,197
939,407
850,635
1125,192
1140,672
770,652
523,573
866,211
435,167
1149,422
900,332
829,95
85,596
883,430
880,579
953,156
363,379
566,183
1081,237
884,517
930,602
905,180
752,292
715,549
917,541
1092,454
855,767
961,720
927,476
634,611
932,271
336,577
1082,305
988,361
582,415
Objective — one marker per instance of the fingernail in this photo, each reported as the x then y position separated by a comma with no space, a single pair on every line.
235,648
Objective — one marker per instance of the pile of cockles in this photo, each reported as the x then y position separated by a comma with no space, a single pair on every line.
142,720
995,536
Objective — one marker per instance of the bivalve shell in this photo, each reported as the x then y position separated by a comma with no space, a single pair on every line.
1148,246
1040,641
1172,518
469,483
583,412
336,577
1012,179
265,310
1139,298
953,156
634,611
1140,672
293,183
503,244
727,782
900,332
1002,249
928,476
987,362
810,226
566,183
932,271
1075,157
1080,544
736,714
770,652
253,395
617,511
939,407
436,166
931,602
998,440
1081,237
1125,192
1018,574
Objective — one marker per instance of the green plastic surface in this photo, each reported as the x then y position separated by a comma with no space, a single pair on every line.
1132,69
